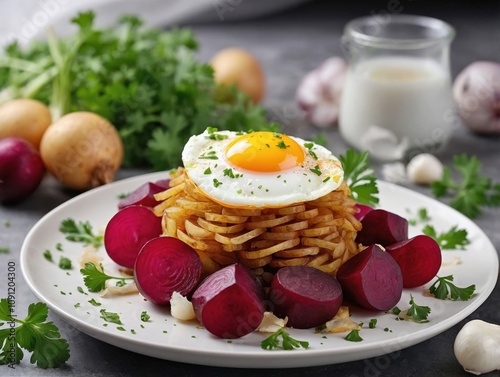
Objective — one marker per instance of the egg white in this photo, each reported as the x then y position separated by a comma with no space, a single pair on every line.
208,168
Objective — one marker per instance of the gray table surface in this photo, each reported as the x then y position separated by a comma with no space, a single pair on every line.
289,44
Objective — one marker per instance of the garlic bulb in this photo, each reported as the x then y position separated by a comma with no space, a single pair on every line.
423,169
181,308
320,90
476,92
477,347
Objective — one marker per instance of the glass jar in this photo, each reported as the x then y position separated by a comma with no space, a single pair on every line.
397,99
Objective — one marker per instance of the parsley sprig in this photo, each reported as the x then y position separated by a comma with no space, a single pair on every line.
34,335
454,238
95,279
418,313
443,288
359,177
472,191
287,342
80,232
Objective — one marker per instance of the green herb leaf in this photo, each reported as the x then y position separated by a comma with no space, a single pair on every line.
418,313
145,316
373,323
287,342
80,232
472,191
35,335
65,263
359,177
95,279
110,317
452,239
353,336
443,288
47,255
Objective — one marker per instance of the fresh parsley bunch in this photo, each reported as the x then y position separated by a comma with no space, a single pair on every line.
146,82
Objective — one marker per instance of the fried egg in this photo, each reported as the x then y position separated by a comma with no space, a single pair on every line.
259,169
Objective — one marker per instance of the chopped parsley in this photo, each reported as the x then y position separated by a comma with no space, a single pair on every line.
47,255
316,170
282,145
418,313
65,263
353,336
95,279
207,171
110,317
373,323
94,302
145,316
217,183
310,147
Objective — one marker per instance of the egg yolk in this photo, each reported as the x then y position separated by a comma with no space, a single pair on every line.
265,152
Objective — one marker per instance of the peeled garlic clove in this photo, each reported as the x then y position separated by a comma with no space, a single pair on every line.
423,169
181,308
476,91
319,92
477,347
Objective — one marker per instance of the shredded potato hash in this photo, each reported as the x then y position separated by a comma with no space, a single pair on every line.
318,233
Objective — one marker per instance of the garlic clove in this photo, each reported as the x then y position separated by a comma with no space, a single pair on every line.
319,92
477,347
181,308
425,168
476,91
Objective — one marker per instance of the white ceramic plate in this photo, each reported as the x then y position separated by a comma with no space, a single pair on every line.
166,338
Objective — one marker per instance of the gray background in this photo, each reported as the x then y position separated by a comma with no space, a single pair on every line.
289,44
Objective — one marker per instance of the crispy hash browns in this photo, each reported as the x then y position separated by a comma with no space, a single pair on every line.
318,233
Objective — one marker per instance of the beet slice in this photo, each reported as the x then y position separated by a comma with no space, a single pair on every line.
229,303
166,265
419,259
127,231
382,227
307,296
372,279
165,183
362,211
142,195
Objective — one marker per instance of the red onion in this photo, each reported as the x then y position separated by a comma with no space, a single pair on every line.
476,91
21,169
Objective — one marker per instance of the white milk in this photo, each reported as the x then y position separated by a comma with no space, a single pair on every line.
391,104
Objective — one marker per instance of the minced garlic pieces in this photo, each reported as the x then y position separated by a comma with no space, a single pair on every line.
271,323
90,255
113,290
342,322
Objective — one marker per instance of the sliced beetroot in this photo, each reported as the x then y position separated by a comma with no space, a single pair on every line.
419,259
127,231
165,183
142,195
372,279
229,303
362,211
382,227
307,296
166,265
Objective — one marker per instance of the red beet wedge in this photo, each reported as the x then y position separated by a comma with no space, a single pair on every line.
372,279
166,265
382,227
229,303
142,195
127,231
419,259
307,296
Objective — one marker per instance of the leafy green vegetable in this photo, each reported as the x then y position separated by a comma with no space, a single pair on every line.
33,334
47,255
359,177
443,288
452,239
80,232
472,191
147,82
422,216
353,336
287,342
95,279
373,323
418,313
